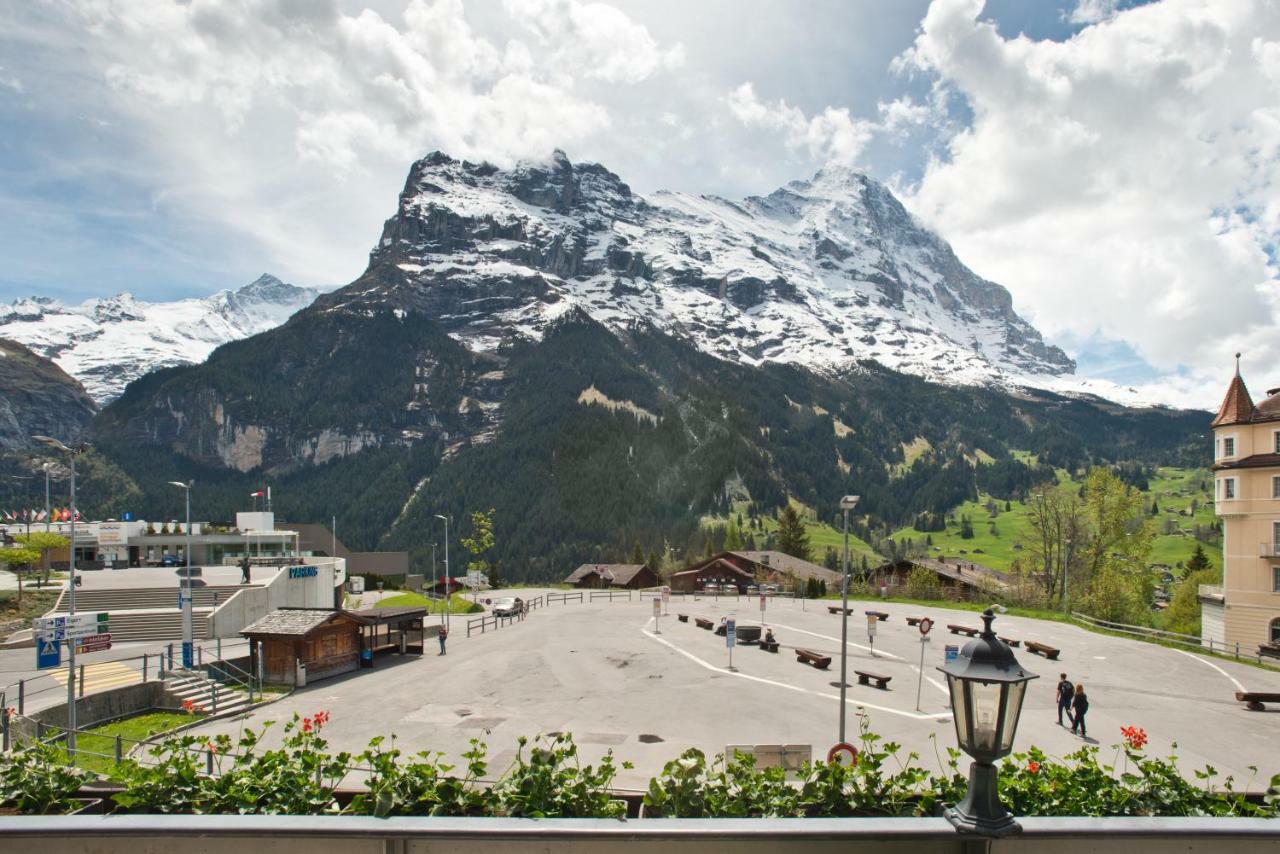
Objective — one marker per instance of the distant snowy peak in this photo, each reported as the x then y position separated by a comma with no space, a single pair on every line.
820,273
107,343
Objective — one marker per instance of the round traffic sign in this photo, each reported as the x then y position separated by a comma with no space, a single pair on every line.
925,625
842,754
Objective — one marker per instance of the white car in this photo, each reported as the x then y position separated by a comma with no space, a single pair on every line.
506,608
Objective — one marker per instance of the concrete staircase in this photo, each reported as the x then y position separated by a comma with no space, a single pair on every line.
184,685
149,613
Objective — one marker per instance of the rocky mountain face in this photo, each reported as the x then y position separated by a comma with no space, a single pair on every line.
108,343
38,398
820,273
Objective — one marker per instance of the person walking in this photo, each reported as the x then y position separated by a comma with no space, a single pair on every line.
1079,706
444,633
1065,692
244,569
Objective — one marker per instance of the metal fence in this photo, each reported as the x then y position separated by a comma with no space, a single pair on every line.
1202,644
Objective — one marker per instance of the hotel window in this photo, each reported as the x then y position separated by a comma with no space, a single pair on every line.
1229,446
1276,435
1275,579
1275,487
1228,488
1275,631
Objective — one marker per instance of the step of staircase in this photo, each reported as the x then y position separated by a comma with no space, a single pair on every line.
187,685
145,598
158,625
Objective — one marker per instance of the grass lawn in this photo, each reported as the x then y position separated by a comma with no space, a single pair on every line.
96,752
1172,489
457,604
35,603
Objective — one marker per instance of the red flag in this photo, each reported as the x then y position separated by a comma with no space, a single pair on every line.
257,494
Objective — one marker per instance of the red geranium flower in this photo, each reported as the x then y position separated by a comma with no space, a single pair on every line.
1033,766
1135,737
306,724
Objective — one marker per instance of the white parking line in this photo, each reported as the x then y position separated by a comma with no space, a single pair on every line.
880,654
1233,679
945,716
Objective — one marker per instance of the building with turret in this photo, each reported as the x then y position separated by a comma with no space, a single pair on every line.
1246,466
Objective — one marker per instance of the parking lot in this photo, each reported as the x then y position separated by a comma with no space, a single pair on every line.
606,672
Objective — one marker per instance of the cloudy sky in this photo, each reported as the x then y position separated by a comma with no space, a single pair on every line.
1115,164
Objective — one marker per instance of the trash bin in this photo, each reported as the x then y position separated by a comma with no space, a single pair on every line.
366,657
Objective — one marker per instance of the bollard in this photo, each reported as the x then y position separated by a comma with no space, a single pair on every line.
81,691
4,729
144,667
215,698
208,762
119,749
39,731
218,644
171,657
22,695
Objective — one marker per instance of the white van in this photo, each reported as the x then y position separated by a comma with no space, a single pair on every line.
355,584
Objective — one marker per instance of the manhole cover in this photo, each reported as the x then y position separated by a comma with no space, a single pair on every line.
462,713
649,738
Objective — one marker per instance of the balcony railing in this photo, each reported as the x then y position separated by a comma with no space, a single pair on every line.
1269,549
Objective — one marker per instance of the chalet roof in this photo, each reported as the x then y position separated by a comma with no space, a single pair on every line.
719,562
964,572
1237,406
785,563
618,573
1251,462
296,622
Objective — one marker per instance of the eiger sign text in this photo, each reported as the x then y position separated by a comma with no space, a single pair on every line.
303,572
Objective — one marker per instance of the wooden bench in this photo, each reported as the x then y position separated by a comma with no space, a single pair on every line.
1011,641
807,656
721,629
769,646
879,615
1270,649
914,621
684,618
882,682
1253,700
703,623
1042,649
835,609
962,630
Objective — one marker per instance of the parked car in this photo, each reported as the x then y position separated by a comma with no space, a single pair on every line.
506,608
170,560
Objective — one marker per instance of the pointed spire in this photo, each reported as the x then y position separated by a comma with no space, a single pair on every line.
1237,406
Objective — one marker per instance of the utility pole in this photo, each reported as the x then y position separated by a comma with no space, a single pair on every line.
846,504
188,641
448,581
71,453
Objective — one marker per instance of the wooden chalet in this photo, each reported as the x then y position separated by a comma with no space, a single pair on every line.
302,645
961,579
742,568
630,576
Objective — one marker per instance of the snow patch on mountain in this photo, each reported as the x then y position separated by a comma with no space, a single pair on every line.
820,273
107,343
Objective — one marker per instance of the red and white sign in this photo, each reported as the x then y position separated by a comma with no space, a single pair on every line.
93,643
926,625
842,754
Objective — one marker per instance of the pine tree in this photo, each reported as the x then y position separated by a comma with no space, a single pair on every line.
732,538
1155,508
793,539
1199,560
637,553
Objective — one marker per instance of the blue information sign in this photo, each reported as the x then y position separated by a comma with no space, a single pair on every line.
952,653
48,653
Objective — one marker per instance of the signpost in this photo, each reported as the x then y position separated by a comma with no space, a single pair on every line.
666,599
763,600
730,635
93,643
925,625
872,619
48,653
81,632
657,612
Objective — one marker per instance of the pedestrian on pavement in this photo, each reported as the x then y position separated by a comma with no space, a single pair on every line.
244,569
1065,692
444,633
1079,705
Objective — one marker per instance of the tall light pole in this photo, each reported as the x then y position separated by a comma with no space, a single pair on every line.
71,453
448,594
188,643
846,504
48,508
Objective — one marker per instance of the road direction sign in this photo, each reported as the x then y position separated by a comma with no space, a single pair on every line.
730,633
71,625
657,607
48,653
90,645
926,625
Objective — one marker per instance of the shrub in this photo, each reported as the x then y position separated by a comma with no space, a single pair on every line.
923,584
35,780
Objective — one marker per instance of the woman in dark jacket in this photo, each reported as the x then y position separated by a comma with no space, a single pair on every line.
1079,706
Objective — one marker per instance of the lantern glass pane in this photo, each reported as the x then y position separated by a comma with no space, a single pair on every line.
958,707
1013,707
985,698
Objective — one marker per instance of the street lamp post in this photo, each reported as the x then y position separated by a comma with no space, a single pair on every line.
71,453
987,688
846,504
188,643
448,594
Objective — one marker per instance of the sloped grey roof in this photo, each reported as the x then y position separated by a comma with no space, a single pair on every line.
619,573
293,622
783,562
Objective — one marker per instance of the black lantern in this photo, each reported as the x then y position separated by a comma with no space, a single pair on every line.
987,687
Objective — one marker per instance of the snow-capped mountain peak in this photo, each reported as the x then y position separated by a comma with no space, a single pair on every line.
106,343
821,273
